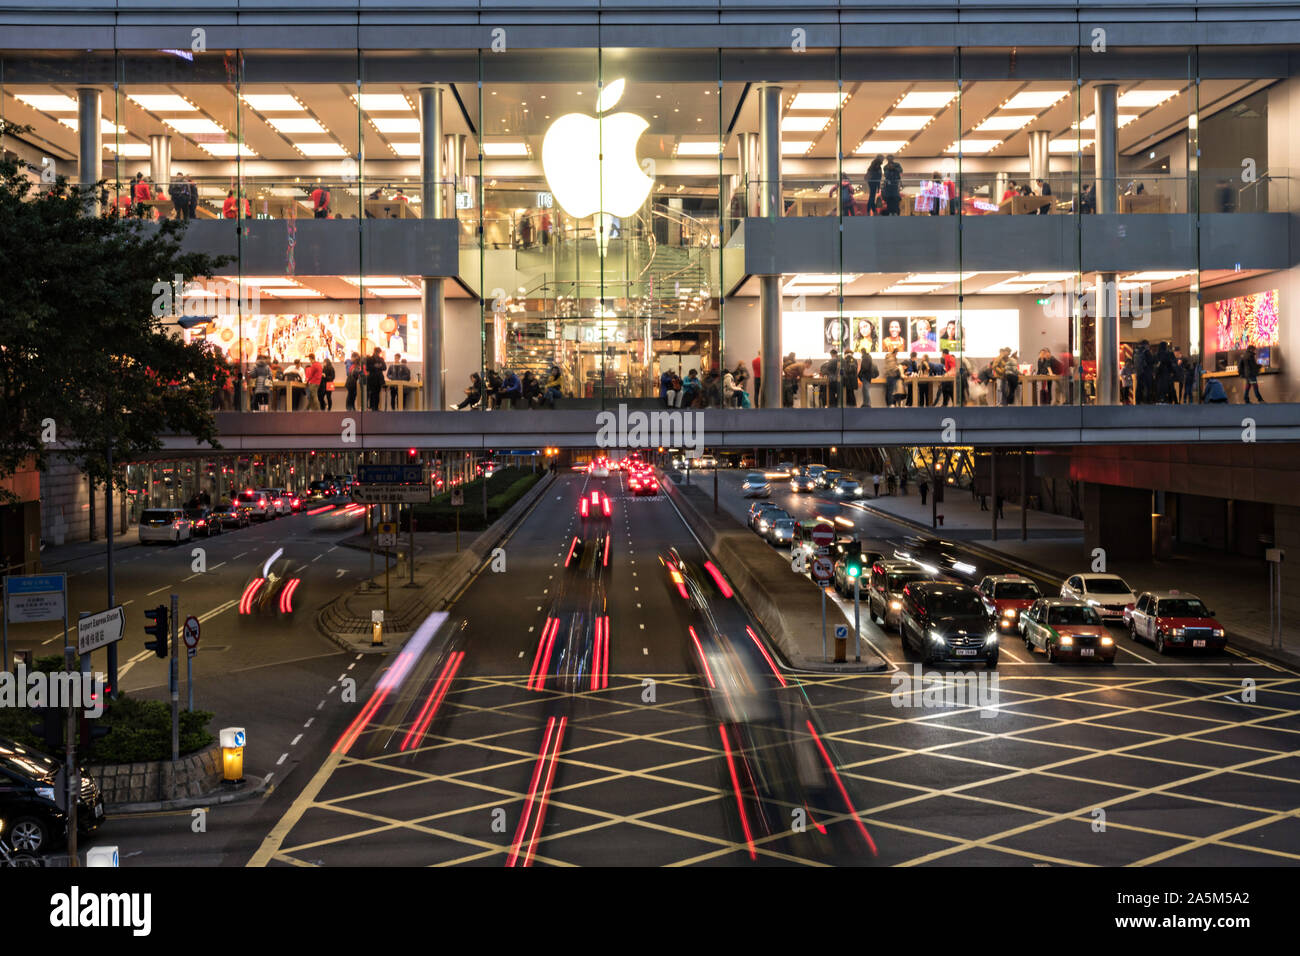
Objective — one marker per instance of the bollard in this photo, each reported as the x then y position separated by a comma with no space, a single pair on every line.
841,650
376,628
232,741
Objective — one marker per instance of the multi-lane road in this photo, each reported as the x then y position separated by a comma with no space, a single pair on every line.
569,711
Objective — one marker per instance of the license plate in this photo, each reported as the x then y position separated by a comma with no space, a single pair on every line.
99,810
965,652
1086,651
1200,643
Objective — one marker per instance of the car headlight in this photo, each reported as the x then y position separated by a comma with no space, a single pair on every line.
1067,640
895,605
1107,641
46,792
1094,603
1218,632
1009,612
857,491
1177,631
936,637
991,639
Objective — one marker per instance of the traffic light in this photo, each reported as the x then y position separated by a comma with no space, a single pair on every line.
853,560
158,630
93,728
49,727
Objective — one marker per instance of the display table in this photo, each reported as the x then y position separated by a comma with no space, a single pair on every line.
1145,203
1023,205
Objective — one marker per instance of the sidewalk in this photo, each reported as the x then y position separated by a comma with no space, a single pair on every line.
53,556
1234,587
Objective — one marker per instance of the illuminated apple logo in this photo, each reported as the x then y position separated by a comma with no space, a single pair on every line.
591,163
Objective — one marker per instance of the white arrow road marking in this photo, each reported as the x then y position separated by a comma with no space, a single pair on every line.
341,573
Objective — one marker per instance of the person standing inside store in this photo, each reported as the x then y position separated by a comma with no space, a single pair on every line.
141,194
866,374
546,229
950,189
352,380
399,371
875,172
320,202
230,208
893,377
938,194
375,368
313,375
261,384
849,379
757,366
831,372
325,393
1143,373
791,372
176,191
891,186
1248,369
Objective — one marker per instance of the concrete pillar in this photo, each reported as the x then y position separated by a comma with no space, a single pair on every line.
1105,151
769,297
160,159
432,175
769,134
1107,299
1039,155
456,162
90,155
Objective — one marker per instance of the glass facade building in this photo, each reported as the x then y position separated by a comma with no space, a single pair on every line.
606,207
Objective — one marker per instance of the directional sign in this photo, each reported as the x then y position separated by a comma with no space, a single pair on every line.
191,635
100,630
35,597
387,531
390,494
822,570
390,474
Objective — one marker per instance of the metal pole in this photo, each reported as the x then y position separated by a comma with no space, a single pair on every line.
993,487
176,695
857,623
1024,494
70,759
823,624
108,514
715,489
410,528
189,680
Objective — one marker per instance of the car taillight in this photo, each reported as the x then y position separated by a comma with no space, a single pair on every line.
605,505
583,510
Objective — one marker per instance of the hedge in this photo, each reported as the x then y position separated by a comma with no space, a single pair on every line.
504,488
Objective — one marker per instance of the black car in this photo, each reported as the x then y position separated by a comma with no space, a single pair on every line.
33,820
231,516
947,621
322,490
204,521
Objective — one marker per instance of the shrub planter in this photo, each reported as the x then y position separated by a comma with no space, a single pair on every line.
197,774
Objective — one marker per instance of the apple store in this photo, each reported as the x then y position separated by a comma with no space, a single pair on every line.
603,207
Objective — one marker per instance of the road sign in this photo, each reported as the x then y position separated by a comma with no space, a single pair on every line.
100,630
457,497
387,532
35,597
822,537
841,632
191,636
822,570
390,474
390,494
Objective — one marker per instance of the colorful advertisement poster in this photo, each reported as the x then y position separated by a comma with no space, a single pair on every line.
924,337
1232,324
895,335
950,335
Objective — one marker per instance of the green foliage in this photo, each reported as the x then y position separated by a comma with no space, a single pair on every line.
80,345
141,730
505,487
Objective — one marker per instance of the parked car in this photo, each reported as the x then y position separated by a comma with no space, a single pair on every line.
33,820
947,621
203,522
1067,630
165,524
1170,619
755,485
1108,593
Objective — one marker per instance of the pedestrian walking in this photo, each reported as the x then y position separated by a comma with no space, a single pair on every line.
353,381
875,485
923,486
326,395
1248,368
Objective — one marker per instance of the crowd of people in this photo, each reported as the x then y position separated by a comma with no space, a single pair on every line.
319,377
508,389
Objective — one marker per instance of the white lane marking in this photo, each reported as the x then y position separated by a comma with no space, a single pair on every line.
335,548
283,758
642,626
521,653
352,665
158,590
334,688
645,651
238,556
308,724
294,742
321,705
341,676
530,628
317,558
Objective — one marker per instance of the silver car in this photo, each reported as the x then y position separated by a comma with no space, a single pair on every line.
755,485
781,532
165,524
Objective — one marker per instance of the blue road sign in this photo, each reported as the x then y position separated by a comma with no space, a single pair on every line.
841,631
390,474
34,583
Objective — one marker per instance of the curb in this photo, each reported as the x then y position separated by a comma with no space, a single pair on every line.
1283,658
216,797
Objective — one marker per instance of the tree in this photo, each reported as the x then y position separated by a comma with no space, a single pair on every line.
85,359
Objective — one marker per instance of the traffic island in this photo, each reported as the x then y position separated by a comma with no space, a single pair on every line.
348,620
788,605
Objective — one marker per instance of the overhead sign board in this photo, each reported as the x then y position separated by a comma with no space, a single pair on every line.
35,597
390,494
100,630
390,474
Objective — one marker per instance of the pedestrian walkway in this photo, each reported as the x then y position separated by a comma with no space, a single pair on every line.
53,556
1234,587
